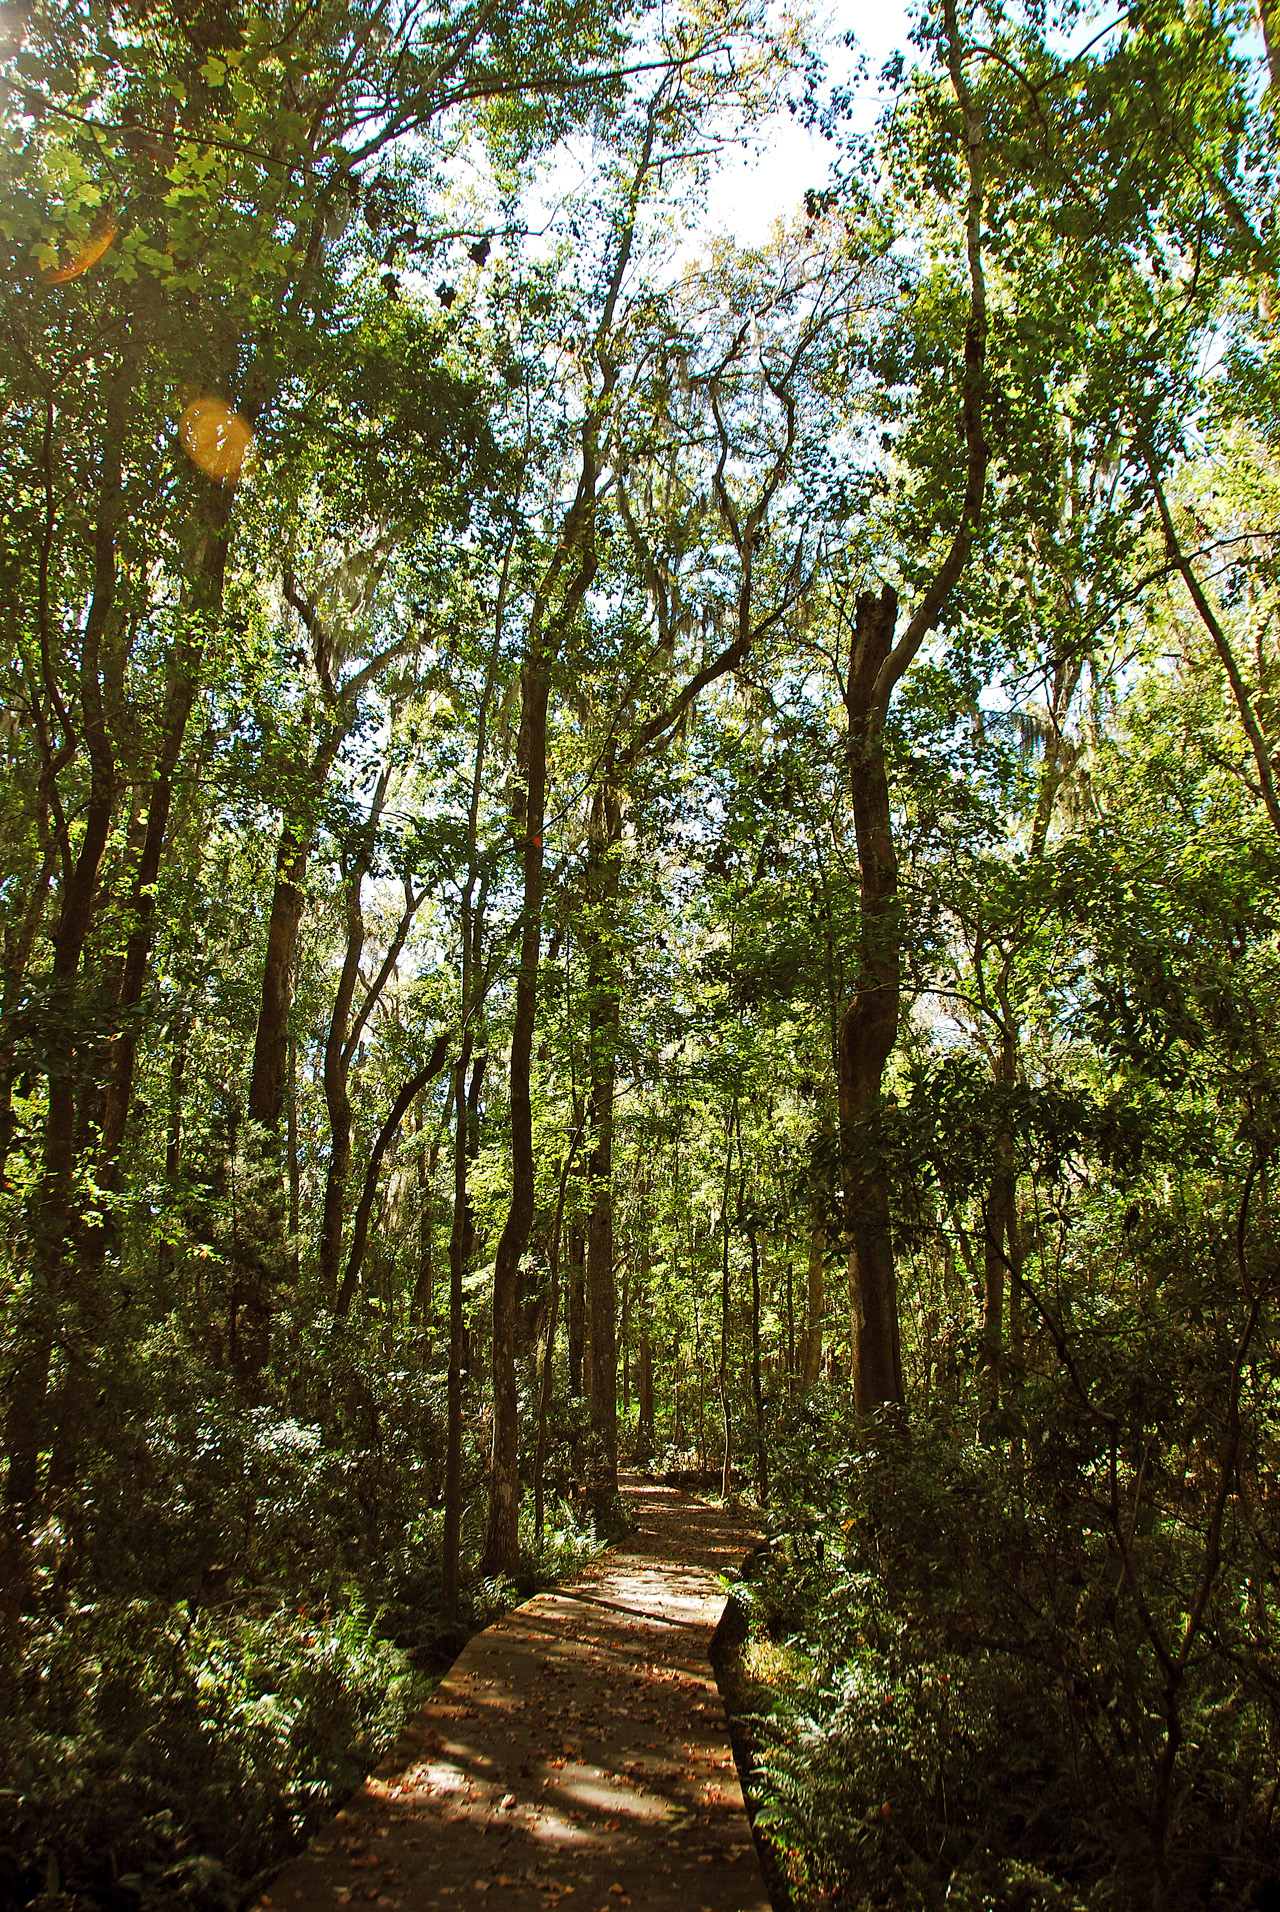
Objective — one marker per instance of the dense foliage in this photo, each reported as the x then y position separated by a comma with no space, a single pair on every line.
615,842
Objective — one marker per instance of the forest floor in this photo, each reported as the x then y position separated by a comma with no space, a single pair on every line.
577,1750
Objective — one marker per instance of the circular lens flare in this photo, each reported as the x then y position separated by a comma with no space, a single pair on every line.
215,438
89,254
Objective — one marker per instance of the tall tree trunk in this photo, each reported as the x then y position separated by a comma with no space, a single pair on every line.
502,1537
182,683
422,1309
644,1338
547,1357
604,1011
54,1217
178,1032
722,1370
577,1310
291,1149
757,1386
338,1055
561,591
997,1231
644,1391
271,1037
868,1028
257,1270
460,1237
814,1307
644,1354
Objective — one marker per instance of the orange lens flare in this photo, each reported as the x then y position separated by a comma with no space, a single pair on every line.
215,438
89,254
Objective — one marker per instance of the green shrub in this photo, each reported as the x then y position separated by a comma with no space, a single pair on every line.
972,1716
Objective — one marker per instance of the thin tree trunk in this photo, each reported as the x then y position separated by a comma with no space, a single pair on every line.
422,1308
295,1177
560,594
416,1083
548,1357
577,1310
459,1242
502,1538
173,1126
722,1372
997,1217
338,1056
644,1381
757,1386
746,1220
1244,702
624,1337
815,1304
604,1011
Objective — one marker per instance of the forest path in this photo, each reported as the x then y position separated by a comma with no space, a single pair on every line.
577,1750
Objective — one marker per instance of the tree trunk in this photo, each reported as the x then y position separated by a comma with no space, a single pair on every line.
995,1224
337,1061
811,1345
291,1141
757,1387
502,1538
869,1026
577,1310
722,1371
644,1382
256,1272
422,1308
460,1238
205,601
55,1200
270,1045
604,1011
547,1362
561,591
416,1083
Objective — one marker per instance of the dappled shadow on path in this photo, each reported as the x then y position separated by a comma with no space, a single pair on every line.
577,1750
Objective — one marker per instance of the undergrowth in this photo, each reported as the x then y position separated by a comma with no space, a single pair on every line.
227,1629
950,1708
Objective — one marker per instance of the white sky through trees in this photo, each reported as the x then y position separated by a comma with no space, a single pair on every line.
748,193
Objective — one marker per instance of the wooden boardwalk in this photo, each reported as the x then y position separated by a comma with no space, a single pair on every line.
577,1750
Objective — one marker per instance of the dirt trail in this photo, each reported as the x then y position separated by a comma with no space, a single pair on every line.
577,1751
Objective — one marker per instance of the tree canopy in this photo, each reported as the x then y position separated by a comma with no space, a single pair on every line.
621,848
